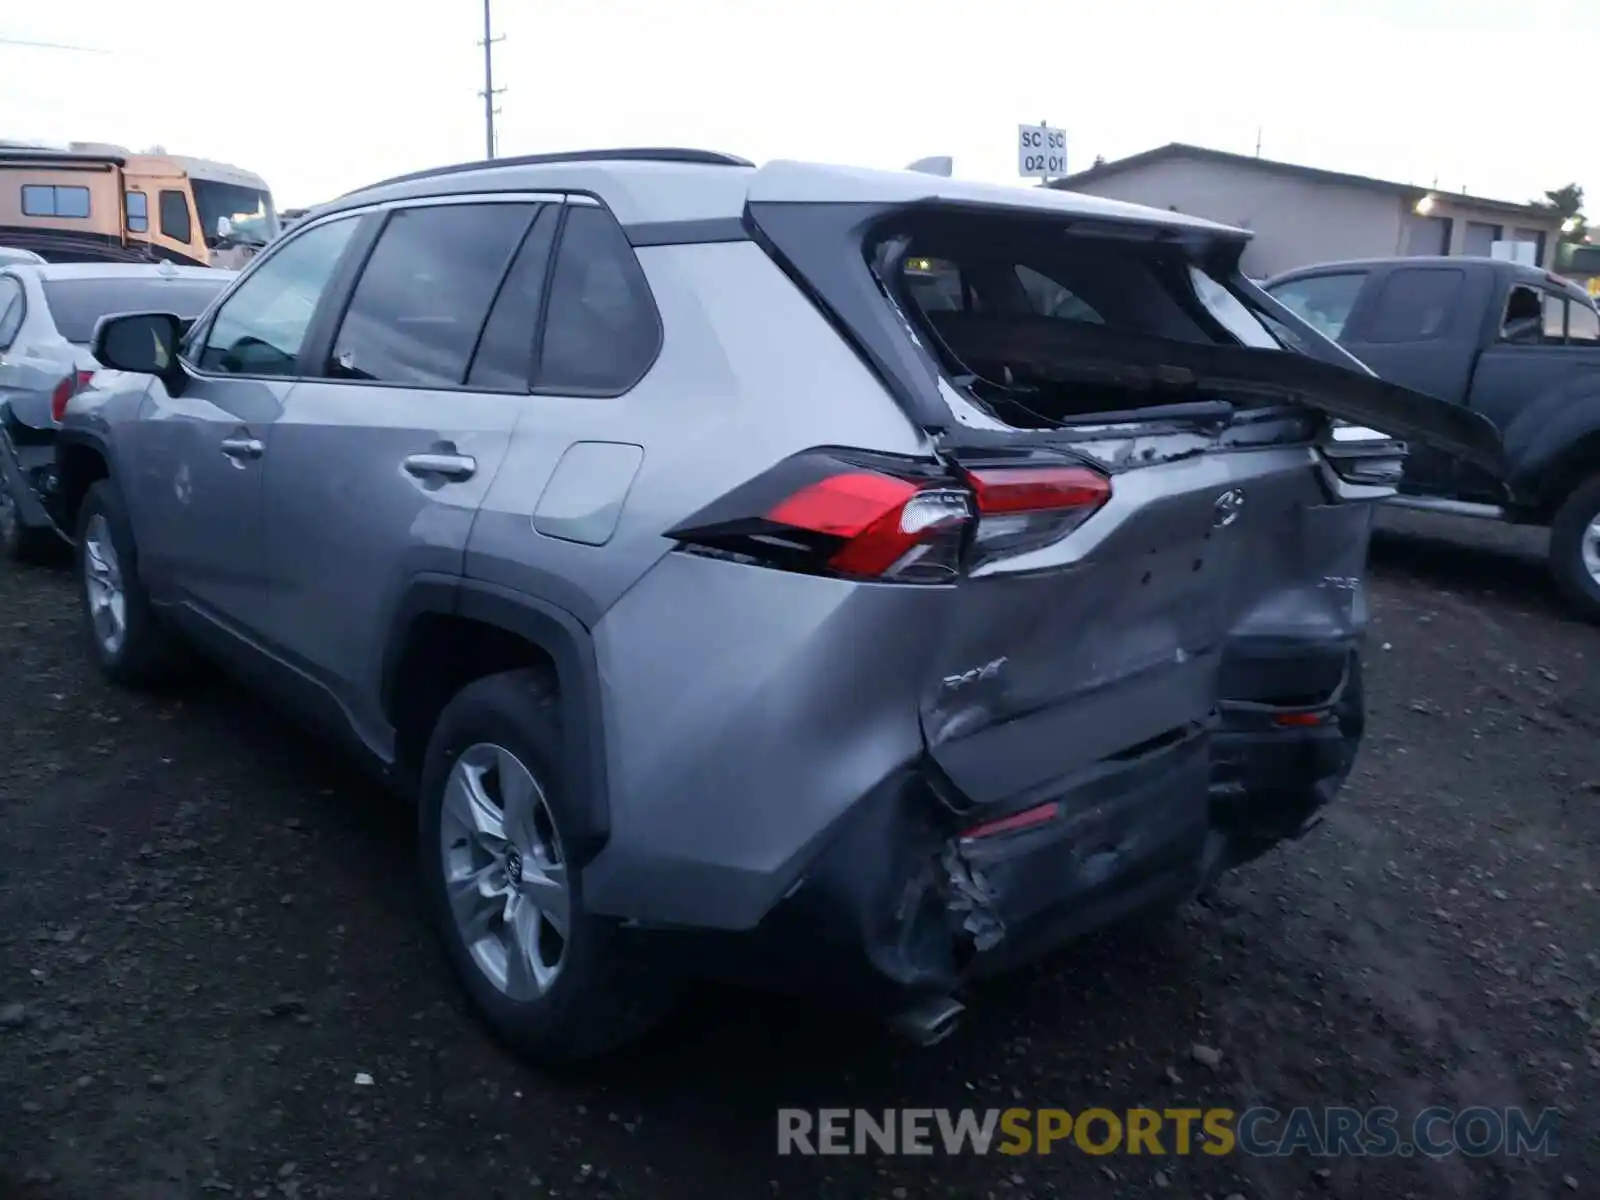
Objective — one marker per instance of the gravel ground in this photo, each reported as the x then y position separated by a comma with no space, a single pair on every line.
209,934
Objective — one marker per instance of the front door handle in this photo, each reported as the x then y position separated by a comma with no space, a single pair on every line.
447,466
239,448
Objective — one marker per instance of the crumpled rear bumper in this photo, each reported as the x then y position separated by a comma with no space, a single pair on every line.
27,468
900,903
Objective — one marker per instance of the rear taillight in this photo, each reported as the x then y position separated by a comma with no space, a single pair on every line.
65,391
1022,508
841,513
866,516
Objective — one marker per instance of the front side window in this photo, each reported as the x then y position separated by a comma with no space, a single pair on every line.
138,212
421,301
1322,301
44,200
602,331
1414,305
175,216
260,328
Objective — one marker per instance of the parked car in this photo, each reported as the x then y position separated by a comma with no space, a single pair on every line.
15,254
47,316
727,611
1515,344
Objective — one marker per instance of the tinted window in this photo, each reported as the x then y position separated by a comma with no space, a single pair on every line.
417,310
11,309
504,359
602,331
76,304
138,212
1583,323
260,328
1049,299
43,201
1322,301
1414,305
175,216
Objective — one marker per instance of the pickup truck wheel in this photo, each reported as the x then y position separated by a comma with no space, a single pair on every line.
552,980
1575,549
22,543
126,639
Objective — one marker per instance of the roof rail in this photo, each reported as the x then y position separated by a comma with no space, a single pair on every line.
668,154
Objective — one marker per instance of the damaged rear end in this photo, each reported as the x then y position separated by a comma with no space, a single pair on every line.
1144,510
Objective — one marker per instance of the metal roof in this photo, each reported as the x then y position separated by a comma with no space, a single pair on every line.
1181,150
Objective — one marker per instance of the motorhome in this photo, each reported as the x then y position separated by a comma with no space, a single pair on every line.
89,202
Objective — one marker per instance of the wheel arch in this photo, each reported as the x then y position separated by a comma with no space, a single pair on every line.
449,632
82,459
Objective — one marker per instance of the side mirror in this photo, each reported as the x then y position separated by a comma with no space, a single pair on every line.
143,342
224,228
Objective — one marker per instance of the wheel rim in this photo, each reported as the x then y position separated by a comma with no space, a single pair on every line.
504,875
102,586
1589,547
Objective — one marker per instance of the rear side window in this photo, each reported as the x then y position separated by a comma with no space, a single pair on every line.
175,216
12,308
138,212
1583,324
1414,305
602,331
76,304
1322,301
504,359
40,200
422,298
1555,319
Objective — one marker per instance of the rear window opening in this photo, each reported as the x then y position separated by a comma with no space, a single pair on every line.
77,304
1046,327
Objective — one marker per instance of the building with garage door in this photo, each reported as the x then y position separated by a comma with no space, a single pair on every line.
1303,215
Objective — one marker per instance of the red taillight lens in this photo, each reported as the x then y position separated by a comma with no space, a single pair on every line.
1022,508
841,513
58,398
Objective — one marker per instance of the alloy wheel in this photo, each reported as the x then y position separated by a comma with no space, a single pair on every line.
102,584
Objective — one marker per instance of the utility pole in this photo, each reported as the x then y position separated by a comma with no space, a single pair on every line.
489,90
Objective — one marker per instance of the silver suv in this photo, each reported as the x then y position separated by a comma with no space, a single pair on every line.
848,581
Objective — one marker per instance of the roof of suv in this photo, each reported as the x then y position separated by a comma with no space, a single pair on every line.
659,186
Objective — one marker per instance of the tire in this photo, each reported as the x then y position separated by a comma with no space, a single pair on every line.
21,543
593,996
1569,534
144,653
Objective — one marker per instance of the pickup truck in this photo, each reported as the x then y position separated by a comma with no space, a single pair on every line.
1515,344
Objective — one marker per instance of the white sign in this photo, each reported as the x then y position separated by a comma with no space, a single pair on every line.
1041,151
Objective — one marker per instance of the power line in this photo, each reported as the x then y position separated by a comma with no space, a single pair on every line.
489,90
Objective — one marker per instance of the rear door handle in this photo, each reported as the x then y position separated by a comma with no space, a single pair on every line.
446,466
239,448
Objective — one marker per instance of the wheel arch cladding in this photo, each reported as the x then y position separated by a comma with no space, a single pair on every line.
448,633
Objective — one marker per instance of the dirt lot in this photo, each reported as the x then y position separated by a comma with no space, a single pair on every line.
211,929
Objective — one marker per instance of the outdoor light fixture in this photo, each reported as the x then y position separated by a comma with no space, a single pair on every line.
1425,205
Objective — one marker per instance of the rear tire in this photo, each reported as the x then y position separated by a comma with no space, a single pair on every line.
552,980
21,543
126,639
1575,549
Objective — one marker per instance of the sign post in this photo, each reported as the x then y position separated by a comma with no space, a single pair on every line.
1041,152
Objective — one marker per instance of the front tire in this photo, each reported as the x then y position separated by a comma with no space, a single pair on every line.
552,980
1575,549
126,639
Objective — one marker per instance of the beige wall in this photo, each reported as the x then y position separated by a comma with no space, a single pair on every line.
1296,221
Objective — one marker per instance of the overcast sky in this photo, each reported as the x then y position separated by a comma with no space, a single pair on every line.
320,96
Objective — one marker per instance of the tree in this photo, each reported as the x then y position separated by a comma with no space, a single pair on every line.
1567,202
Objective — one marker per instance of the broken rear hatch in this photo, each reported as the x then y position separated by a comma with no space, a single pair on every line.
1136,435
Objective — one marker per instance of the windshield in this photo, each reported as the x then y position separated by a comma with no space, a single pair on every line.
250,211
76,304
